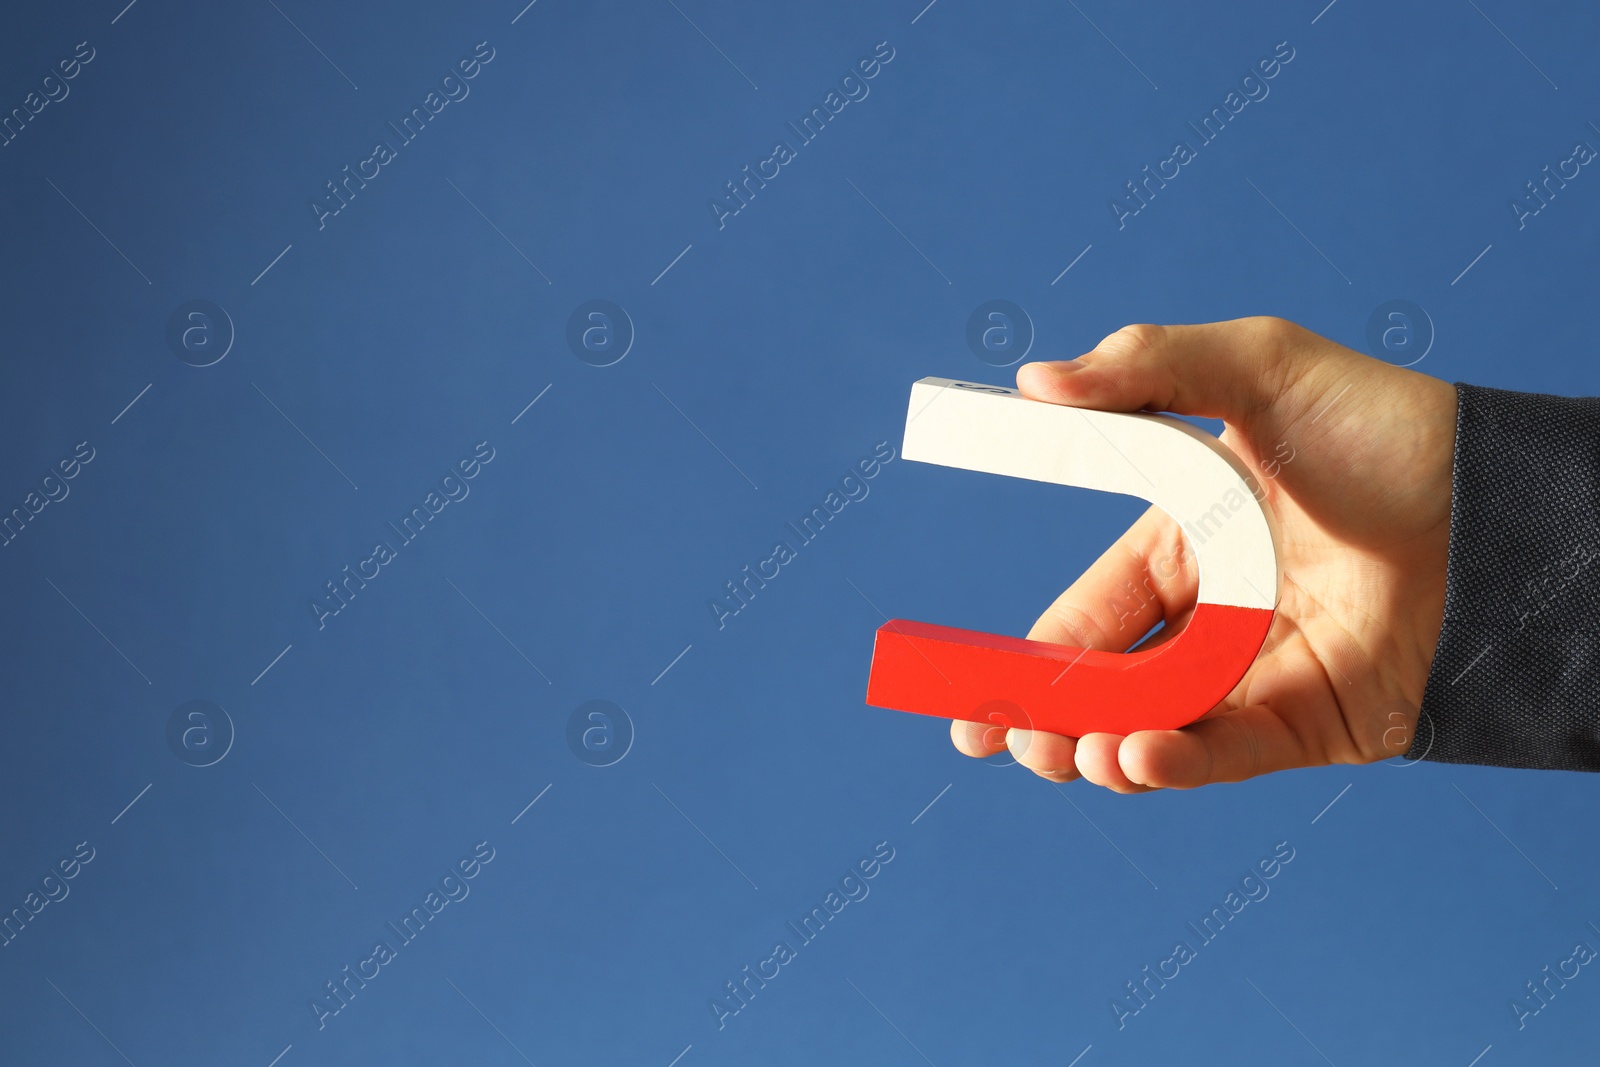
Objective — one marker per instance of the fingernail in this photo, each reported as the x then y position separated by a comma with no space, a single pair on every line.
1018,741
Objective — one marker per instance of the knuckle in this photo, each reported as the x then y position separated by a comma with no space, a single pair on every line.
1133,339
1277,343
1079,625
1248,747
1272,327
1277,336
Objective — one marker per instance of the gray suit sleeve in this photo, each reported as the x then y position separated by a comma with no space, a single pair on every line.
1516,676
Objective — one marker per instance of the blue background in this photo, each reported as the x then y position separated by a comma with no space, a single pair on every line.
376,752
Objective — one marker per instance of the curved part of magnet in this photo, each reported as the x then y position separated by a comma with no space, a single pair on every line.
1009,681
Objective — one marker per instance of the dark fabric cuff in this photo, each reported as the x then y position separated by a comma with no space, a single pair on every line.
1516,676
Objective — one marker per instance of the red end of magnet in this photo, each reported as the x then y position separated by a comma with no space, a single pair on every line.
1010,681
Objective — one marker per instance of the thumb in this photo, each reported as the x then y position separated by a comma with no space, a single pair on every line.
1221,370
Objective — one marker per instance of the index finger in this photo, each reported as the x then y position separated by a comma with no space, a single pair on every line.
1146,577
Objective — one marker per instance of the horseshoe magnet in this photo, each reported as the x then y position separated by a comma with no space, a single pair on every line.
1009,681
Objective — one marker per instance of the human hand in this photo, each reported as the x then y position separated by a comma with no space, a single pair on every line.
1353,458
